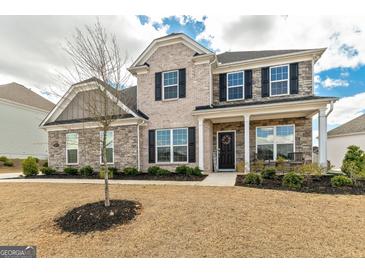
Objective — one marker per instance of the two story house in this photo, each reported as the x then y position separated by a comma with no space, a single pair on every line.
195,107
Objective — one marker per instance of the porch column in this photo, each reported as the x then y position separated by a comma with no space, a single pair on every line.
322,136
247,142
201,142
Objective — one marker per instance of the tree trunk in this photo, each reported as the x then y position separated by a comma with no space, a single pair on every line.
106,173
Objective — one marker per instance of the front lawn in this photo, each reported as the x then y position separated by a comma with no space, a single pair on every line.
187,221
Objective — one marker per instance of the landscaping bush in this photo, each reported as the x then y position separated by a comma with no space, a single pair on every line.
86,171
111,172
240,166
131,171
292,180
153,170
48,171
30,167
258,166
71,170
353,163
181,169
197,171
253,179
45,164
269,173
341,180
162,172
3,159
280,165
8,163
311,169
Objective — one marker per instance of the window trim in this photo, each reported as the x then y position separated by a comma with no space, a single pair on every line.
274,143
243,85
77,162
177,85
273,81
171,146
101,144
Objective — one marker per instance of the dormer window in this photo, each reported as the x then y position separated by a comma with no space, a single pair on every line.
279,80
235,82
170,80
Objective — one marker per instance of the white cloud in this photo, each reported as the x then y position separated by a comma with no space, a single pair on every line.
32,54
342,35
346,109
332,83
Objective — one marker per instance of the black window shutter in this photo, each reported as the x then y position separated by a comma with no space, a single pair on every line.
151,146
265,82
158,88
182,83
248,84
191,138
223,87
294,78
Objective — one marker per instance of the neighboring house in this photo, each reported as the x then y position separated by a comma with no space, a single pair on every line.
21,111
350,133
195,107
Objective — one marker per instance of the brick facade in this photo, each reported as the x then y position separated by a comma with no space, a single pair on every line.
125,147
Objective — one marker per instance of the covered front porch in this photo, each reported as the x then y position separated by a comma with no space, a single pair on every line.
231,136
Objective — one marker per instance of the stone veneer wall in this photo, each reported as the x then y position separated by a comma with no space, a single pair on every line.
303,135
305,84
125,147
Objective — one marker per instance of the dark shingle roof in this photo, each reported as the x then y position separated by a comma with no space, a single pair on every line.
236,56
265,102
354,126
22,95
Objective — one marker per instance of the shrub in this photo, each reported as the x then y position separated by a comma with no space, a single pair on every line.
353,163
36,159
48,171
30,167
269,173
45,164
3,159
153,170
253,179
197,171
240,166
280,165
341,180
132,171
111,172
71,170
292,180
311,169
181,169
8,163
258,166
162,172
86,171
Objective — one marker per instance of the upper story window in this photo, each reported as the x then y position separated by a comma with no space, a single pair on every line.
109,146
170,80
72,148
172,145
235,86
279,80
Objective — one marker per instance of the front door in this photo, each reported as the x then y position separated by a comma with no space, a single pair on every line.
226,150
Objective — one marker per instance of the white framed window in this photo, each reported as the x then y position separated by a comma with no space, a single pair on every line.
279,80
172,145
235,86
72,148
170,85
109,147
273,142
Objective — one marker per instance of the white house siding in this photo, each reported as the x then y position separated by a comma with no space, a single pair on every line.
337,147
20,135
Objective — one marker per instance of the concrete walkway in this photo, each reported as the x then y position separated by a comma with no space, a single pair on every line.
10,175
213,179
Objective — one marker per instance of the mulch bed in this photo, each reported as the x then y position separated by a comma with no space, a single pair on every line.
96,217
314,184
121,176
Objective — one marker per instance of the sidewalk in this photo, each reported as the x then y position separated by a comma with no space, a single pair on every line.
213,179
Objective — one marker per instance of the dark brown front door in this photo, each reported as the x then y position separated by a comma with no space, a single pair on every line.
226,150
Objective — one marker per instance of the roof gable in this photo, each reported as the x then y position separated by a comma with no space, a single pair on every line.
356,125
170,39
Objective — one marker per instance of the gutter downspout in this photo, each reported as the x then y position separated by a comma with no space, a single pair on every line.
331,109
211,81
138,147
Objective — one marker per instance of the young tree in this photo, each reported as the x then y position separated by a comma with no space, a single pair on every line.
94,53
